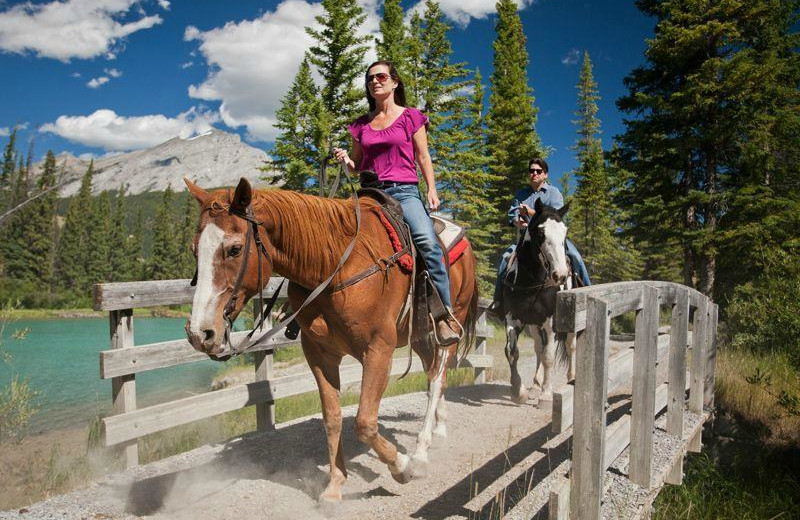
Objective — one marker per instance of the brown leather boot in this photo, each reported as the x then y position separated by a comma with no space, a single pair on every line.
448,330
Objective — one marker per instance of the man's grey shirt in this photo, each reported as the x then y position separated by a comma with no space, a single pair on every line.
548,194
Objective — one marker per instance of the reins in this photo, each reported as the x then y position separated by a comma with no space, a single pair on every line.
249,343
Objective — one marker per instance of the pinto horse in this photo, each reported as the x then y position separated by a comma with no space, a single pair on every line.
304,237
534,276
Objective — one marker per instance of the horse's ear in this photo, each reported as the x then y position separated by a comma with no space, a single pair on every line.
242,196
564,209
199,193
538,206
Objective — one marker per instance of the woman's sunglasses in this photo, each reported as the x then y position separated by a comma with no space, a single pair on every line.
382,77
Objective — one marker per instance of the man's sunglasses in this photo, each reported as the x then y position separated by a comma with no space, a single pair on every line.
536,170
382,77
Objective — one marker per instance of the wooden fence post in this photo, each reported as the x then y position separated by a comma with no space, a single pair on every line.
123,388
265,412
591,385
711,356
645,353
696,389
676,402
482,324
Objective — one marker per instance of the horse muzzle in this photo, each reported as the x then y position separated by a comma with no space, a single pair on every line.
207,341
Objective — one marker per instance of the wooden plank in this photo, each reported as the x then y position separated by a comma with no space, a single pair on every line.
480,349
558,505
619,376
644,386
141,358
679,331
123,388
711,356
263,359
588,445
478,361
698,357
131,295
570,314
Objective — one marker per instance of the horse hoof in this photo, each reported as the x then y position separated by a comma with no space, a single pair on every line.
419,466
519,396
403,473
439,433
546,396
329,498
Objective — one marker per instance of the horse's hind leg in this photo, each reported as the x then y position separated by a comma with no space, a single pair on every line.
519,393
326,371
437,377
373,383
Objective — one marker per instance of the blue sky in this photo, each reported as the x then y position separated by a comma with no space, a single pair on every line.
101,76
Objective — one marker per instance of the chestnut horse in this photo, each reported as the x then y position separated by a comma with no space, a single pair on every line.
304,237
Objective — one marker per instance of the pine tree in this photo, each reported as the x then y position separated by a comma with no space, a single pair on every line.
73,247
98,267
392,44
296,150
413,53
188,231
591,226
7,174
465,177
715,105
510,123
35,234
133,249
118,260
339,55
164,258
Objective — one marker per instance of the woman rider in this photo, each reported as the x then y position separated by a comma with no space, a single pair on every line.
389,140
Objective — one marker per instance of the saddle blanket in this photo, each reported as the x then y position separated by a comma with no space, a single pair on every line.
451,235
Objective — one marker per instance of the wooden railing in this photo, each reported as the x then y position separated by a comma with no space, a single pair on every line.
595,445
125,360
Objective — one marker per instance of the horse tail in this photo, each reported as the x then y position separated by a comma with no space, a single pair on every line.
470,322
561,347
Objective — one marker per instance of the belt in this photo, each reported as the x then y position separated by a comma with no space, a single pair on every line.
392,184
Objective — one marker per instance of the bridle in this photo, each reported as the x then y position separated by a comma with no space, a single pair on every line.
546,266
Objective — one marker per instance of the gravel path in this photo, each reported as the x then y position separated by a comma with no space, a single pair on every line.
279,474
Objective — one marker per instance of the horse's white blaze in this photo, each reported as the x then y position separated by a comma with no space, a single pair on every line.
206,293
555,236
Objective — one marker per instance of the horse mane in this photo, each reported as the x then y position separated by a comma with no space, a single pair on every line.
313,231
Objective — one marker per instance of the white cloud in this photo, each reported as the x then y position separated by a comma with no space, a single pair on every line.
70,29
164,4
76,75
461,12
114,73
571,57
5,131
105,129
187,64
97,82
252,62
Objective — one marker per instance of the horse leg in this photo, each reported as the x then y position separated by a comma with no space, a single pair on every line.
377,364
437,381
548,339
536,333
440,430
519,393
326,372
571,356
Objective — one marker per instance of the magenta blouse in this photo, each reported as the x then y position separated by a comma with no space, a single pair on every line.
389,152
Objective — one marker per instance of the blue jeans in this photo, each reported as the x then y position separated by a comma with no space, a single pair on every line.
572,252
423,235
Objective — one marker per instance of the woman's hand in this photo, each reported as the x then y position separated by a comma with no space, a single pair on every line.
433,199
342,157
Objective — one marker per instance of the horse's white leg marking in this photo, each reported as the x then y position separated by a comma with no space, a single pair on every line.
571,353
548,359
536,333
420,458
206,293
440,430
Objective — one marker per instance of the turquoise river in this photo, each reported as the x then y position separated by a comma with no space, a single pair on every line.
60,359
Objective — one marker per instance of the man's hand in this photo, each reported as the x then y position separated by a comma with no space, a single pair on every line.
520,223
526,211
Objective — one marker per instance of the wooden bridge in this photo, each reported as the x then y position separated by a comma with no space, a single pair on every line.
606,469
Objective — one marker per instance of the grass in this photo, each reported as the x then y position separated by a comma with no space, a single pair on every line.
755,475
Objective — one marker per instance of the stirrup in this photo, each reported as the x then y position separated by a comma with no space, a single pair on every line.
443,332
